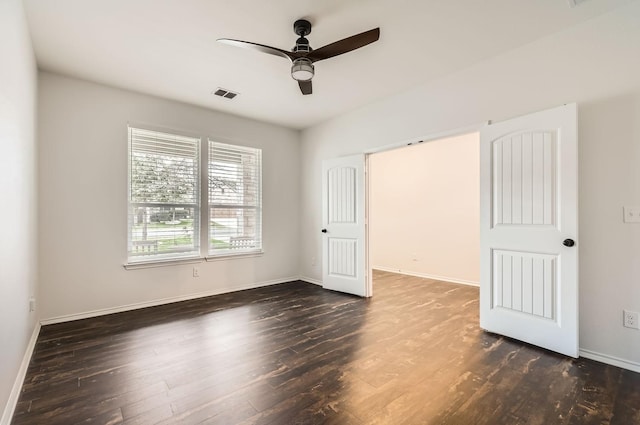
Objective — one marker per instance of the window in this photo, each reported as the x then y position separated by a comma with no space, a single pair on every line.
164,200
165,182
235,199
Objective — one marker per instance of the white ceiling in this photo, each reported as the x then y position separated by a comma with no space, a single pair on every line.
168,48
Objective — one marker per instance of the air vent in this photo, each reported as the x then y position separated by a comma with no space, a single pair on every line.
225,93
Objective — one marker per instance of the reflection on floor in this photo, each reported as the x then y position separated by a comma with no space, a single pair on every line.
296,354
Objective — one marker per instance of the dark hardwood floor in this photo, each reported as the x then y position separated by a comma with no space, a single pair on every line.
296,354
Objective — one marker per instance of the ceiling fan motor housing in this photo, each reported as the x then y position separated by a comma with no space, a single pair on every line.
302,45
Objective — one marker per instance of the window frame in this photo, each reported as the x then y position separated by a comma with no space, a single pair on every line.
202,209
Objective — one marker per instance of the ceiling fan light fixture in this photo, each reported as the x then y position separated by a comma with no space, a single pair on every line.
302,69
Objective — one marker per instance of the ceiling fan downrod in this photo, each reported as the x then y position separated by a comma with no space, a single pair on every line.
302,28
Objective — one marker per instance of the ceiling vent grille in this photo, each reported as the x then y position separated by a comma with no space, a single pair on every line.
227,94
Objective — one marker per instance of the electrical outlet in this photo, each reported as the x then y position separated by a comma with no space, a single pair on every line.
32,304
631,214
313,261
196,272
630,319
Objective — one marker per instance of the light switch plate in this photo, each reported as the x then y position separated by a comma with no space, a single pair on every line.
631,214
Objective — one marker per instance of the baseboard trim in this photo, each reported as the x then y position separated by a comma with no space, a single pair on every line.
310,280
610,360
10,407
136,306
428,276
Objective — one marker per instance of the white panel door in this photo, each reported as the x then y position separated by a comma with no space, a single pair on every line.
343,219
528,229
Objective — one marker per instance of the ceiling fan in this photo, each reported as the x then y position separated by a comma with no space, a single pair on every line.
302,56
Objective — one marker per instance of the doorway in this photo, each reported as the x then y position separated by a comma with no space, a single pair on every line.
423,209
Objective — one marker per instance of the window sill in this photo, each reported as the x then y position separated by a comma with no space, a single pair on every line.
161,263
231,255
190,260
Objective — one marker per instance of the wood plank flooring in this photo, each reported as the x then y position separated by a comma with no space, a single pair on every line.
296,354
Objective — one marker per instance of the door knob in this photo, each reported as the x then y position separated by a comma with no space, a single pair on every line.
568,242
324,230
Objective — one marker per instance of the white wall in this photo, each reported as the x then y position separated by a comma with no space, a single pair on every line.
595,64
82,136
424,207
18,259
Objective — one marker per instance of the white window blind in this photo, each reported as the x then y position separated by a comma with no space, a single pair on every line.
164,200
235,199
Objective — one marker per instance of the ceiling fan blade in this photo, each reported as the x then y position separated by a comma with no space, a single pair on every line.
305,87
259,47
345,45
